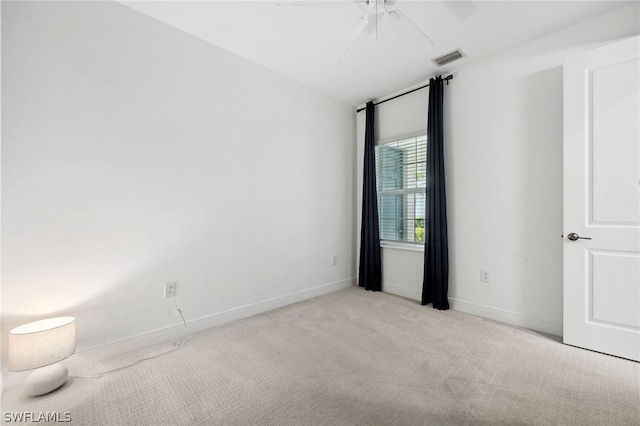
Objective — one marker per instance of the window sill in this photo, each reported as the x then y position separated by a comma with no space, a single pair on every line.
401,246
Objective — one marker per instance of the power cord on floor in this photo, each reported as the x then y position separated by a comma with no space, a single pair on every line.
180,312
178,344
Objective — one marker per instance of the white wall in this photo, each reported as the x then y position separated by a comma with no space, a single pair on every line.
134,154
503,148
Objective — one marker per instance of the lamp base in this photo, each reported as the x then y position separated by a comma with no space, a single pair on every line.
46,379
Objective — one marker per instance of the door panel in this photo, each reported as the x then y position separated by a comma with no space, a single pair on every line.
611,277
602,199
615,105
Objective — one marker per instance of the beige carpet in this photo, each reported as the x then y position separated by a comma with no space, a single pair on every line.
353,358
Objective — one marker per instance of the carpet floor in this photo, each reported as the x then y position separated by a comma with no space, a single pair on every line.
351,358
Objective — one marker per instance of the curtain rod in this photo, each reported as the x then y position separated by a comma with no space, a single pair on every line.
447,78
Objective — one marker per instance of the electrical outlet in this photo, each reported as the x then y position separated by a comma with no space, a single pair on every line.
484,276
335,260
170,289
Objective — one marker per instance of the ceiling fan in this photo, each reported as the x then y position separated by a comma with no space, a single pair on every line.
374,11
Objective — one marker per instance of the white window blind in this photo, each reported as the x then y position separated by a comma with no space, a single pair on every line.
401,181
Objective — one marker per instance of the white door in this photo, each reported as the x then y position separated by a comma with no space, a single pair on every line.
602,199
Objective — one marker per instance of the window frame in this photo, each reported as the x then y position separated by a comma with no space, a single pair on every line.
399,244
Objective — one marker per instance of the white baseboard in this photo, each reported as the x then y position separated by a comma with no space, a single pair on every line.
409,293
506,317
483,311
93,355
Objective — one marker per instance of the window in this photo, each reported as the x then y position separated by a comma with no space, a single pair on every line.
401,168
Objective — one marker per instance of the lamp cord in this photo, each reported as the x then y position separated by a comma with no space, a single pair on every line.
178,344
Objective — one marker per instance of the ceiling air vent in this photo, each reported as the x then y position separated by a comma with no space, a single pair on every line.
449,57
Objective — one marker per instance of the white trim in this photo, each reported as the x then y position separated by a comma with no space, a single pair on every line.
512,318
402,246
487,312
93,355
409,293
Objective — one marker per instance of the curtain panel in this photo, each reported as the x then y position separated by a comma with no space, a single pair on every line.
370,270
436,256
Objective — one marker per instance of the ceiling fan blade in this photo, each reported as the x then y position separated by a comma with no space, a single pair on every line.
353,34
461,8
405,28
318,2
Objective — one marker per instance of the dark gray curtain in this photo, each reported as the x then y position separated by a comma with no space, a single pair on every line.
370,274
435,283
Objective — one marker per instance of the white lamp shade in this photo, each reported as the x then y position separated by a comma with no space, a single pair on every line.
41,343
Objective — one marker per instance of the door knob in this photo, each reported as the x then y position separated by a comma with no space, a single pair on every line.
575,237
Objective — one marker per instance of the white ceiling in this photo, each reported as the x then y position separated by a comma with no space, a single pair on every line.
300,41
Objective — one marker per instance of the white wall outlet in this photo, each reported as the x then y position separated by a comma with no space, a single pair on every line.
170,289
335,260
484,276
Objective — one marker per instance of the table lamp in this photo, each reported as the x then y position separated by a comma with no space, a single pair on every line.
40,345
